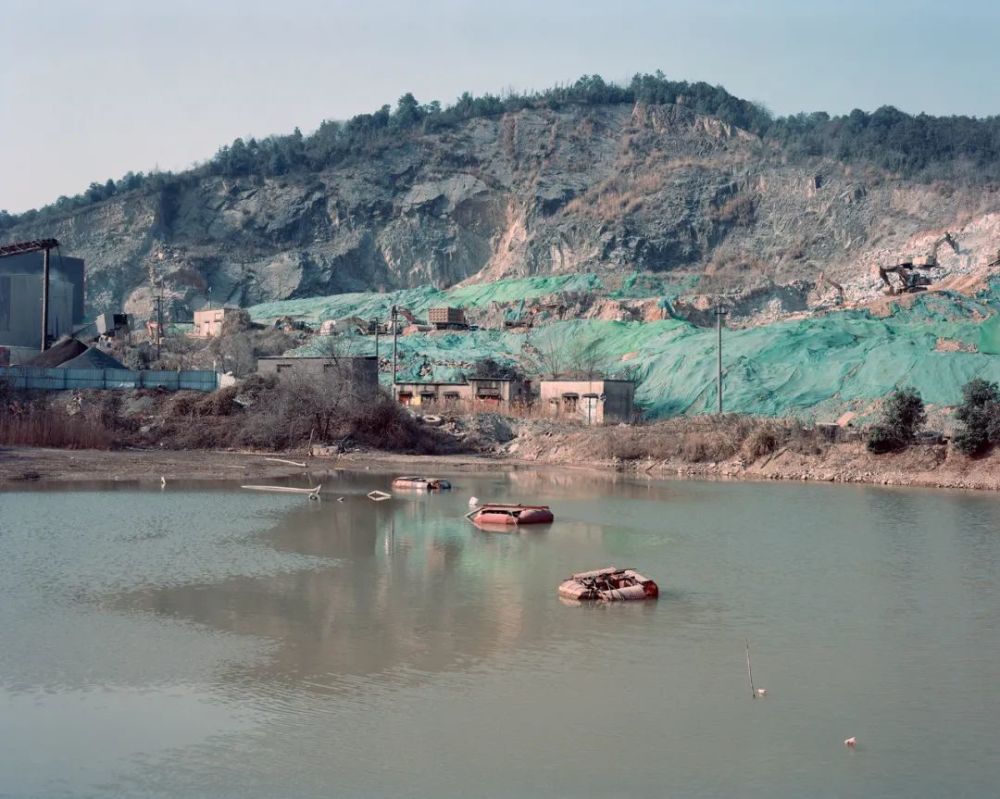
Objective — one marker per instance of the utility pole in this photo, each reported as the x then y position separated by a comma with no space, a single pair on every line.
45,299
395,337
719,313
159,324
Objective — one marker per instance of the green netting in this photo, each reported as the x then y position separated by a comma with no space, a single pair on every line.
818,365
371,306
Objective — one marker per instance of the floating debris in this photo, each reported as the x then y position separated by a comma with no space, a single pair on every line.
421,483
609,585
378,496
311,493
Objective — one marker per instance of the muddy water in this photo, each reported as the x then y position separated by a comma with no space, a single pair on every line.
203,641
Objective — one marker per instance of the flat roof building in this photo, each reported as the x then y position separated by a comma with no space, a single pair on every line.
596,401
356,373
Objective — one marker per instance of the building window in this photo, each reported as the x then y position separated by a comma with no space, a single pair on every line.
283,367
570,402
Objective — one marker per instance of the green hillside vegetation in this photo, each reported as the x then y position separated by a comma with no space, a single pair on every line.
919,147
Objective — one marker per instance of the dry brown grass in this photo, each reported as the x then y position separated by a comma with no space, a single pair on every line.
45,426
705,439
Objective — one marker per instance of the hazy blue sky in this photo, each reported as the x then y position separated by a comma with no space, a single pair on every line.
90,89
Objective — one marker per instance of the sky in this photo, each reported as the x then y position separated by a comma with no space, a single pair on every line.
90,89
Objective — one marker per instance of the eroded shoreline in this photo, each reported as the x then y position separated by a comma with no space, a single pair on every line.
924,466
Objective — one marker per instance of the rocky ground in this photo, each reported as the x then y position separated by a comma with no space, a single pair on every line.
608,189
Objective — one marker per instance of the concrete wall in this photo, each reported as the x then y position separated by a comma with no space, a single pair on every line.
360,373
592,401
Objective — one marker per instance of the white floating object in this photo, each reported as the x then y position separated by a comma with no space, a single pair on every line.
378,496
851,742
340,499
473,501
283,460
762,692
163,480
312,493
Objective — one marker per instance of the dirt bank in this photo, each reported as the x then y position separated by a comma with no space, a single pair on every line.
932,466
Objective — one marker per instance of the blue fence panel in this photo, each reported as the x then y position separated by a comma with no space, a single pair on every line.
198,380
154,379
35,378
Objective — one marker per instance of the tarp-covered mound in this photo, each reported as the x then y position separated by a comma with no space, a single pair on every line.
816,366
93,358
63,350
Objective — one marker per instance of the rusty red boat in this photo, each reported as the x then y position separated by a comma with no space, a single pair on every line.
503,515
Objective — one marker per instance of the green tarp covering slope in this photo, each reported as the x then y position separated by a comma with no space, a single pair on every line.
815,366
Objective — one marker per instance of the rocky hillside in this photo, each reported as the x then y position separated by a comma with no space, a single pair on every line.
610,189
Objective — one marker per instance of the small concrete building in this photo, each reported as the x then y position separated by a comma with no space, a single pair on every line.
592,401
440,395
208,322
359,373
500,392
474,394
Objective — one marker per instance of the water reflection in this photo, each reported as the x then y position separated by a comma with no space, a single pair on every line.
396,649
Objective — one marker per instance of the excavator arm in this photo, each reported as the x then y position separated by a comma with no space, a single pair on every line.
824,280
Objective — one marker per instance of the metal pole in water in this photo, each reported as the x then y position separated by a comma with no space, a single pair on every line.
753,691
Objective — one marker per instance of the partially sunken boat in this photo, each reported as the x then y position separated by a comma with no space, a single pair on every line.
495,513
609,585
415,483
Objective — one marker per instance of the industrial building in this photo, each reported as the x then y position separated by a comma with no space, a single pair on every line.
358,374
591,401
21,301
446,318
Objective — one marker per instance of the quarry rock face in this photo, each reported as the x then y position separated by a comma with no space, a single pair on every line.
605,189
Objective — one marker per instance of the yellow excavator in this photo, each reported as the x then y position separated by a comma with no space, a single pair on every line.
910,279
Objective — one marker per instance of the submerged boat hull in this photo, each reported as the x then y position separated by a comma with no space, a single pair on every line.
609,585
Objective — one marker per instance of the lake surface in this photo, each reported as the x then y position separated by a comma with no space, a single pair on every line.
203,641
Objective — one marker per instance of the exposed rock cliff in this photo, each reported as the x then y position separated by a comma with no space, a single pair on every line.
604,189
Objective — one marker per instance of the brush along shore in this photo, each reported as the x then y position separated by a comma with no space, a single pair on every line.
146,435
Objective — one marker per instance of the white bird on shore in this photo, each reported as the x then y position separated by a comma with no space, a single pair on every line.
851,742
473,501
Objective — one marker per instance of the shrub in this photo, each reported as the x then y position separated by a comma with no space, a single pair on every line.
902,417
979,415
